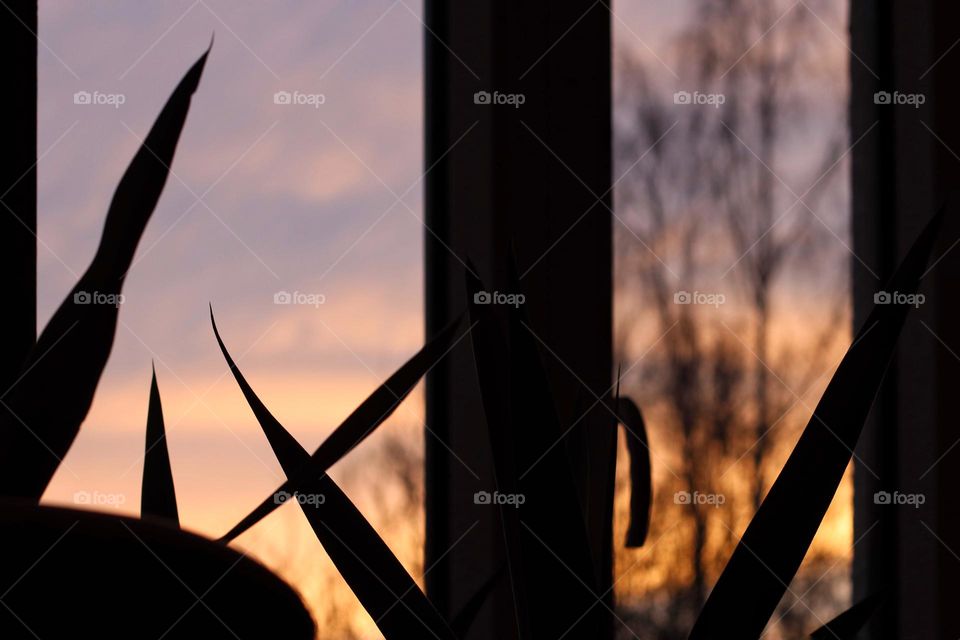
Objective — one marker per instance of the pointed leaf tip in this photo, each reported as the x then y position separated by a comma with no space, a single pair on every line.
848,624
73,348
364,420
772,548
378,579
158,498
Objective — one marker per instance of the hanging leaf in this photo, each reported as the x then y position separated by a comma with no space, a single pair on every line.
641,483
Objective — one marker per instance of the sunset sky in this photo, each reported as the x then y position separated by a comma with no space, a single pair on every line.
293,198
263,198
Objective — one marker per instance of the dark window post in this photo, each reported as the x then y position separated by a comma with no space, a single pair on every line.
536,175
905,164
18,187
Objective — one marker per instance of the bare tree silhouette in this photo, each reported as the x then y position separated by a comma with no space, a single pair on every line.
720,201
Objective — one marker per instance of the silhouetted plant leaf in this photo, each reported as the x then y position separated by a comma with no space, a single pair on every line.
46,406
158,498
358,425
774,544
610,486
641,485
463,620
531,459
487,339
848,624
385,589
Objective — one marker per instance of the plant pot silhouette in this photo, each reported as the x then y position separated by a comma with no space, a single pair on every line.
68,573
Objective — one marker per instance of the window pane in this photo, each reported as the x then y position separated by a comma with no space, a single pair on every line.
732,290
293,208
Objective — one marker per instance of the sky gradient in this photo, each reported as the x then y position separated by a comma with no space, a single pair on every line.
263,198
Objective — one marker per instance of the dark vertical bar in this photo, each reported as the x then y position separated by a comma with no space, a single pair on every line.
946,474
523,180
459,221
436,284
902,171
874,239
18,187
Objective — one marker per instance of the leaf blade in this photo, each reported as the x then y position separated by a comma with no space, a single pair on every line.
378,579
463,620
776,540
158,496
641,482
545,536
73,348
848,624
366,418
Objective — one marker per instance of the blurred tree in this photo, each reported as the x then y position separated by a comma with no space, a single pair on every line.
725,168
